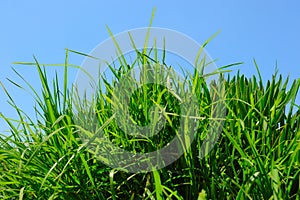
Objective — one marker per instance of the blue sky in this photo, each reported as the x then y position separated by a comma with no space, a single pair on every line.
265,30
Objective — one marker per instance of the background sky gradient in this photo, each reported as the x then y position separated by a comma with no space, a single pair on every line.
267,31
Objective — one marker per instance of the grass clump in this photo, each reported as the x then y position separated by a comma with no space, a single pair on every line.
256,157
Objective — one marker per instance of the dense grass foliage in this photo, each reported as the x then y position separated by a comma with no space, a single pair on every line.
256,157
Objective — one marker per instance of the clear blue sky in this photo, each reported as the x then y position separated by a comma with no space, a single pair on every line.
266,30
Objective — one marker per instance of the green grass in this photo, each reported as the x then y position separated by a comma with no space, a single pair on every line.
256,157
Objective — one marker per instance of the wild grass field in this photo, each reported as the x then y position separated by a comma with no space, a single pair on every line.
256,156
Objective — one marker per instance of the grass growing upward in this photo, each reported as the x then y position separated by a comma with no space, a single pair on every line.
256,157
